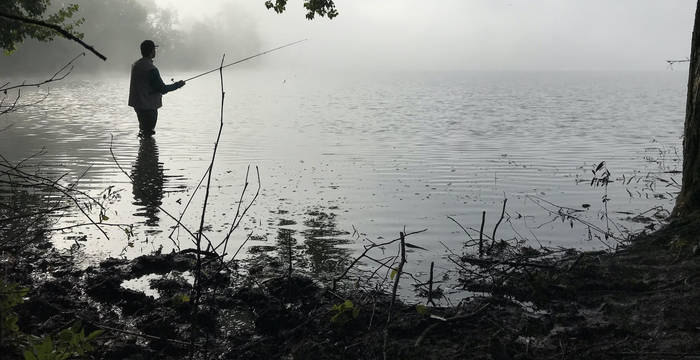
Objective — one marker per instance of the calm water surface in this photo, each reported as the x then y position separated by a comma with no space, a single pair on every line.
380,152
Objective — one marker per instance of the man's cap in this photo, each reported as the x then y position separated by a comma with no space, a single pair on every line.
147,46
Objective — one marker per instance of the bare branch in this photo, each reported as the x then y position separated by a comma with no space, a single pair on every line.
60,74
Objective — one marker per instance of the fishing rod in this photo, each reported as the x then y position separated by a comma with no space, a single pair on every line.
246,59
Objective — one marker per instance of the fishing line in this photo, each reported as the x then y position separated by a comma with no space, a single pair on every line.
245,59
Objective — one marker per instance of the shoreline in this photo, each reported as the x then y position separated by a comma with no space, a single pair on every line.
638,302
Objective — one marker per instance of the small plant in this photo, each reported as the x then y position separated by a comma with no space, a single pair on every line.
11,295
601,177
66,344
180,299
344,312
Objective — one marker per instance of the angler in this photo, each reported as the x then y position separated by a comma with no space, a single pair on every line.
147,88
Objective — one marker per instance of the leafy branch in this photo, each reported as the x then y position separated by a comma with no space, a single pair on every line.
313,7
48,25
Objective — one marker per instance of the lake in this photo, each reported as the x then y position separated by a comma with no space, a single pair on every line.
363,156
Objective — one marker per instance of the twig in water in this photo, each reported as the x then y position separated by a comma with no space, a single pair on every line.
503,211
364,253
179,219
430,285
402,261
242,244
197,285
239,215
462,227
481,234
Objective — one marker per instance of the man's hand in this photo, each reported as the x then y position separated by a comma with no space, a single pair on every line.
180,84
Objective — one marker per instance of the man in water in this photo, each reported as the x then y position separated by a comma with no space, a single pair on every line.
147,88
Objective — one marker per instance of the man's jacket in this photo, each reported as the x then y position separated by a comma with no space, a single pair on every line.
147,88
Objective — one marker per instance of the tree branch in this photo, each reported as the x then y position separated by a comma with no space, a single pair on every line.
65,33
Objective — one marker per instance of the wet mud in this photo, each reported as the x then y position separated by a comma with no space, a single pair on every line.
639,302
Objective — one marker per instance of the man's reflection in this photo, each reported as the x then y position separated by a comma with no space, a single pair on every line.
147,175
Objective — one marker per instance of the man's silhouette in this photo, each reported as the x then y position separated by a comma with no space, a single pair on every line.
147,88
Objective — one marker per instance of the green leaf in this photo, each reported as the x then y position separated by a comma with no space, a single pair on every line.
421,309
44,349
393,273
104,217
335,318
66,335
28,355
95,334
11,323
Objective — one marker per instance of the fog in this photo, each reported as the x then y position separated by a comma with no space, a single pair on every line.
492,35
116,28
381,35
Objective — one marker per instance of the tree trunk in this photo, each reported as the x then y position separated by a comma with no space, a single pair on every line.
688,201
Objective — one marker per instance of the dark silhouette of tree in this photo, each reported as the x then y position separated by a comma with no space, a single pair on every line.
688,201
313,7
21,19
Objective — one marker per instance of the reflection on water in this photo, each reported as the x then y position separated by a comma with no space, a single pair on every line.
324,251
324,243
148,182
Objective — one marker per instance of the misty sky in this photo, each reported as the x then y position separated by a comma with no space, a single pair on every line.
467,34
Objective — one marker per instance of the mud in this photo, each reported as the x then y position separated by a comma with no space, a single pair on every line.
638,303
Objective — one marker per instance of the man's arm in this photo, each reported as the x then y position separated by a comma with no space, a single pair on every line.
159,86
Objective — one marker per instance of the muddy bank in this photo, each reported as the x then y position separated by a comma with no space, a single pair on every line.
639,303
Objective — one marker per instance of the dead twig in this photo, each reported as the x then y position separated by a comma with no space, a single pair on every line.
427,330
60,74
364,253
394,290
238,217
189,201
503,211
481,234
491,262
197,286
146,336
430,285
